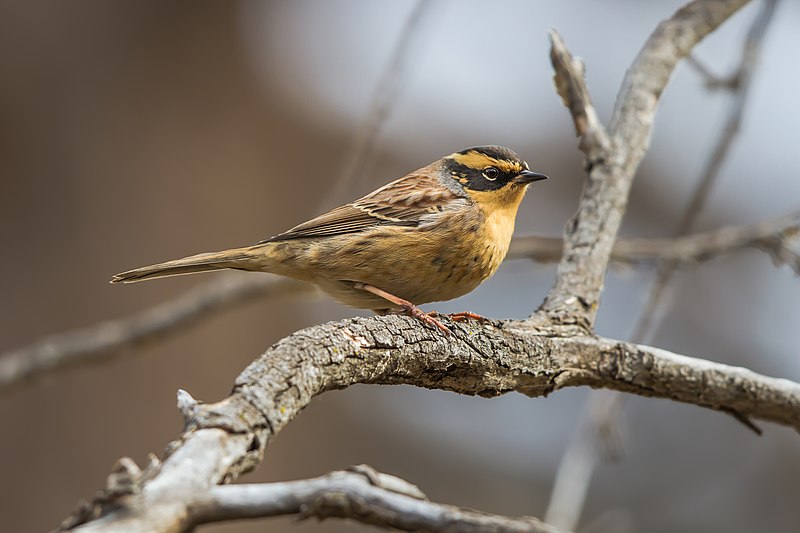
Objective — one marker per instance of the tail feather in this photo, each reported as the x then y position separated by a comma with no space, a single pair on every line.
238,258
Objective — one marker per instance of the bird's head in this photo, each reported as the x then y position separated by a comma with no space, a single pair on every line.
493,176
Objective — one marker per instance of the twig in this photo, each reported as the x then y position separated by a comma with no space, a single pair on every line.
569,81
224,439
106,339
360,494
712,81
583,452
773,237
385,96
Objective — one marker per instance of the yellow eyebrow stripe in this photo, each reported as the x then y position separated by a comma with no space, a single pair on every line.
477,160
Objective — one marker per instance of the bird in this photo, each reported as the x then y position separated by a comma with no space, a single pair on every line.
433,235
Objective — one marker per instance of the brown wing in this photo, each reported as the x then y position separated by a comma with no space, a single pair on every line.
403,202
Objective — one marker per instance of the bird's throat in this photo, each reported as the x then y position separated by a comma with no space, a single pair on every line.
500,211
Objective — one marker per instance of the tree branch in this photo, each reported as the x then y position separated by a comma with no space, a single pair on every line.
360,493
568,78
773,237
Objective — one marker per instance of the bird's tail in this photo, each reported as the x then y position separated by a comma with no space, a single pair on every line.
237,258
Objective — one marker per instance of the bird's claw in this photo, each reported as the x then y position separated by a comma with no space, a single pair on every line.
428,318
462,316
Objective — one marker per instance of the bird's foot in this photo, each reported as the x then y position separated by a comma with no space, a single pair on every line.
462,316
427,318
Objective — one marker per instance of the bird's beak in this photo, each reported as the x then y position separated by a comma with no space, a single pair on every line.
526,176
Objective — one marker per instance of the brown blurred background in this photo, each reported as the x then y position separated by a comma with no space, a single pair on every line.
132,132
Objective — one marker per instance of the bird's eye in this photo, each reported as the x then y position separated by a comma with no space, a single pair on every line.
491,173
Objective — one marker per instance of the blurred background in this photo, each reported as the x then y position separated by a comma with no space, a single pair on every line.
137,131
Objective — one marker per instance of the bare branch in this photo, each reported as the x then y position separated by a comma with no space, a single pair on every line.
738,81
590,234
582,453
360,494
712,81
224,439
104,340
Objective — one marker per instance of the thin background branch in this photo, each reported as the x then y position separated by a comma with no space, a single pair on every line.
699,198
385,96
600,427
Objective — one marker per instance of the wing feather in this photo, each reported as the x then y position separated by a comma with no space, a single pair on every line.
403,202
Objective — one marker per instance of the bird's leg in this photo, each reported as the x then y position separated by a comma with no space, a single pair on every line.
409,308
463,315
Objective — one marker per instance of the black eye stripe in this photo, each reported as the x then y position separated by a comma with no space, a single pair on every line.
475,179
